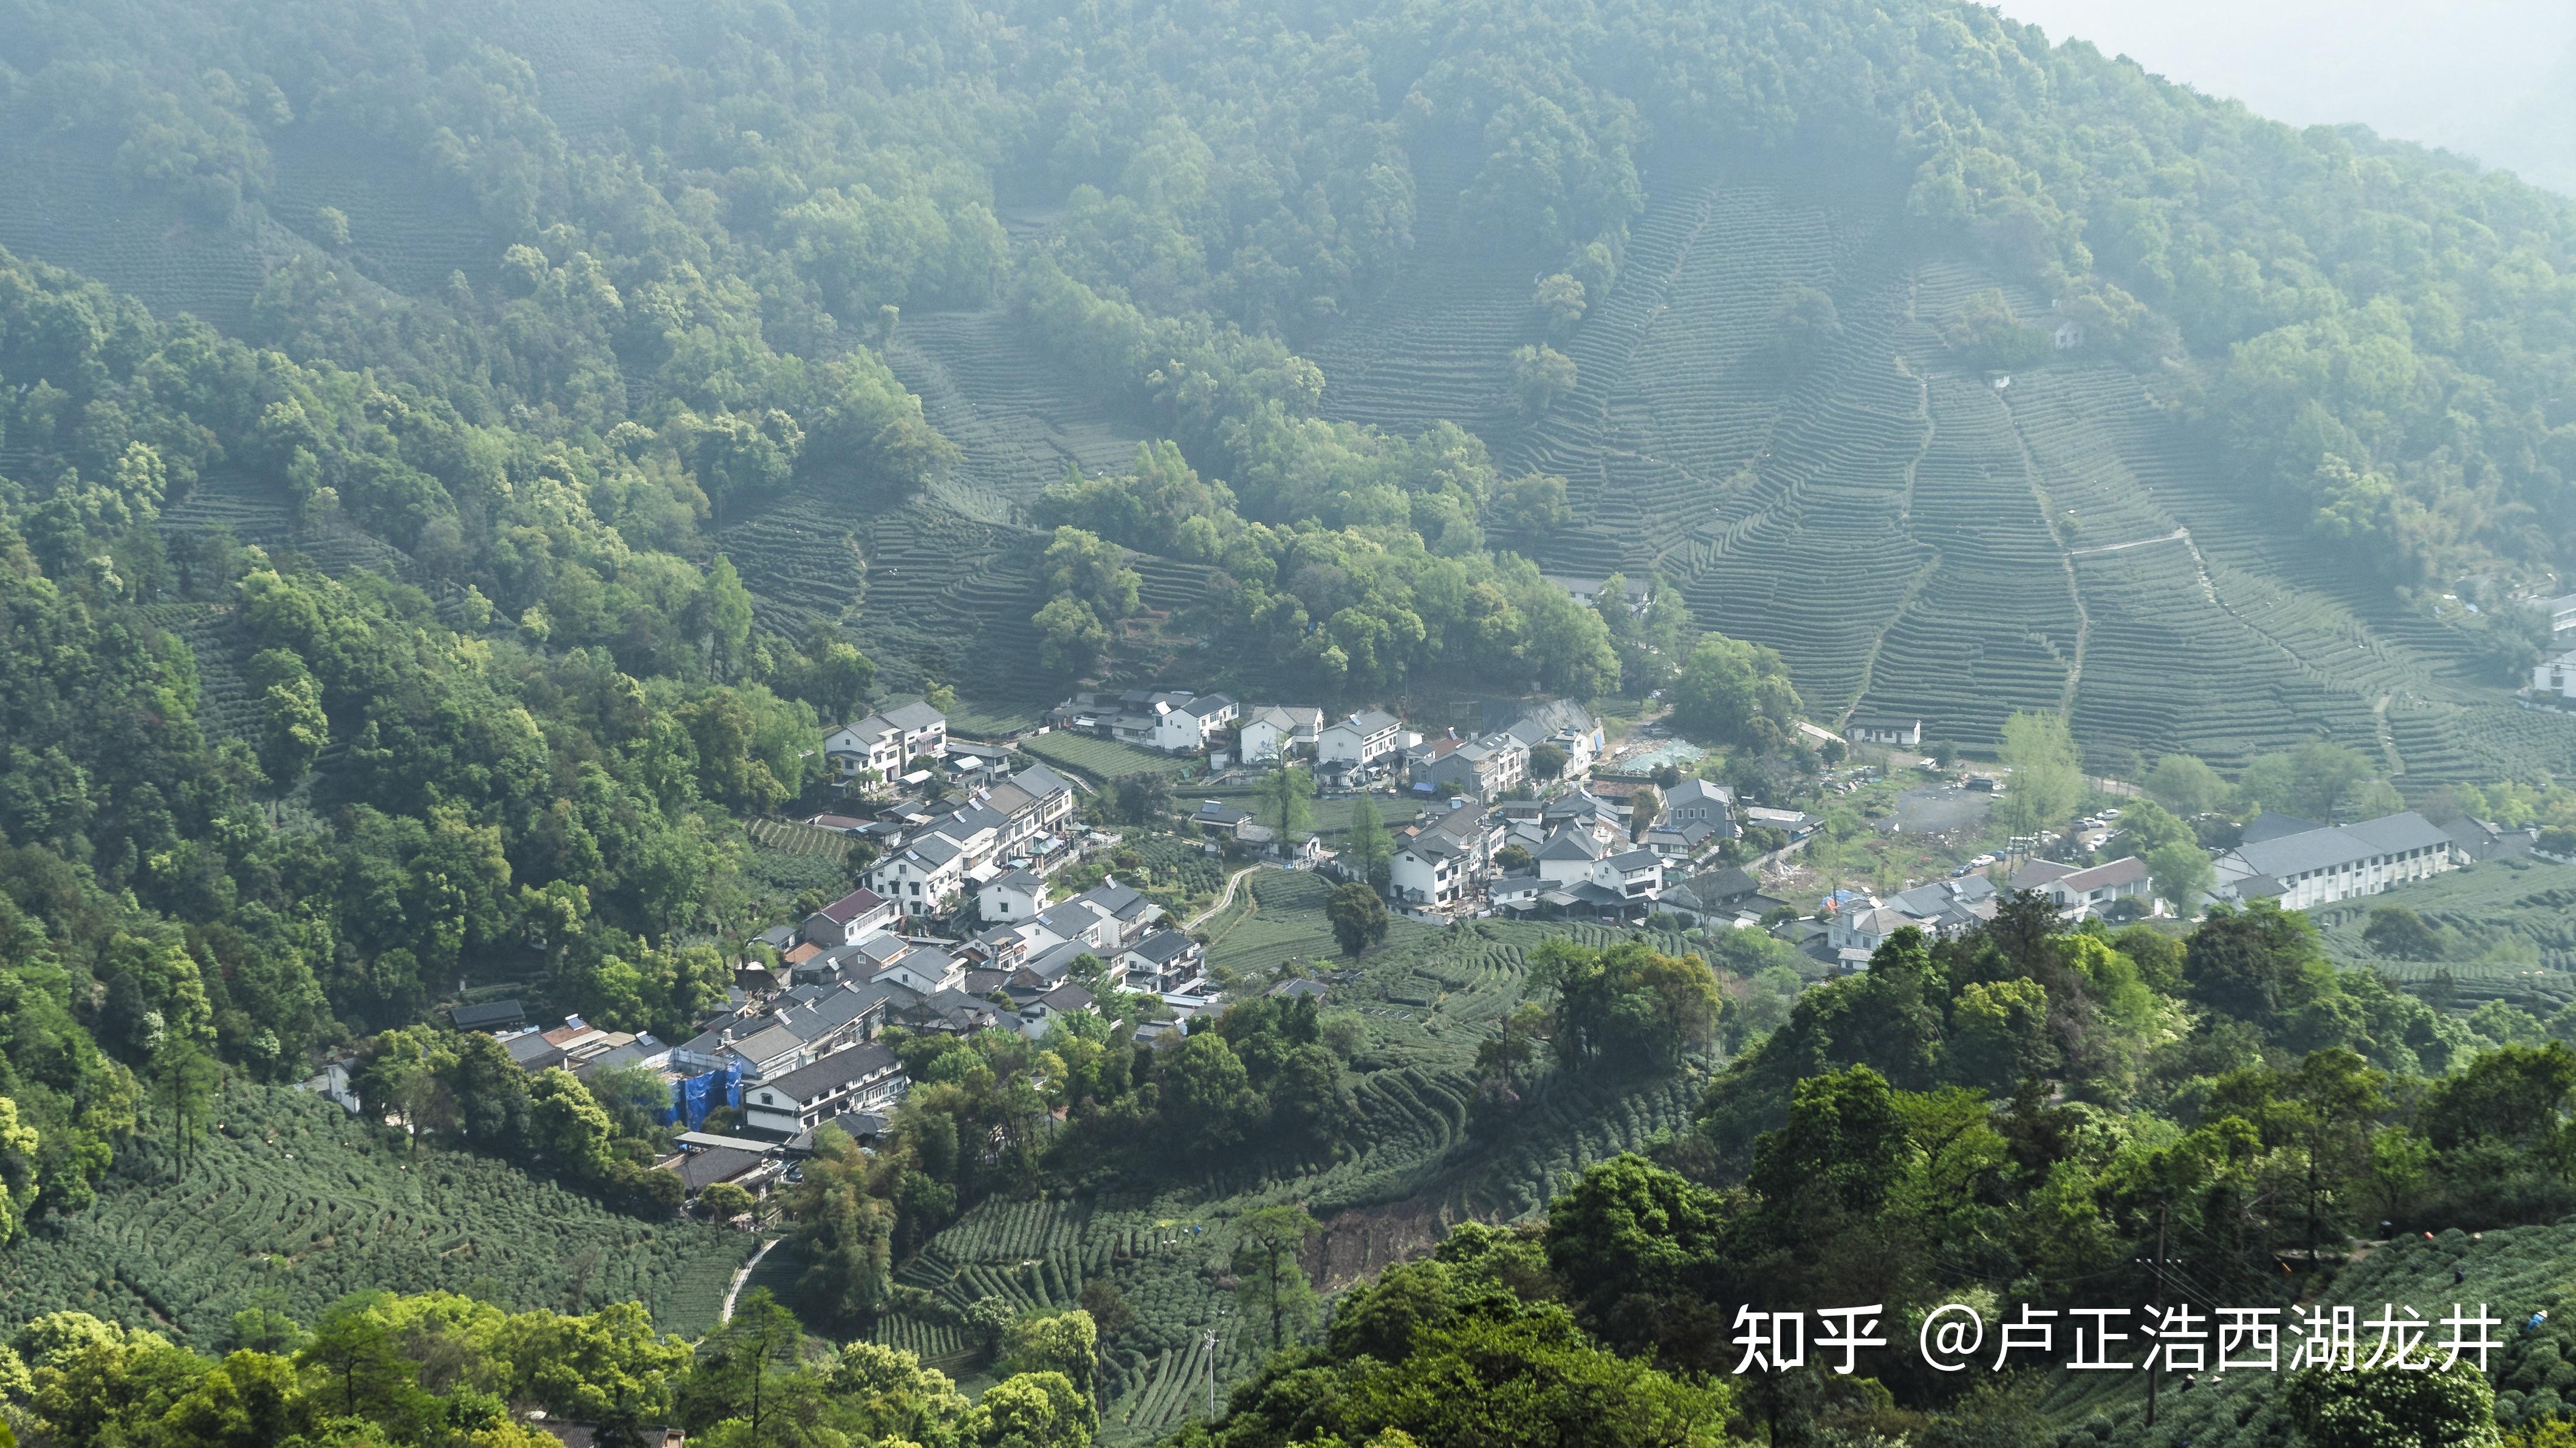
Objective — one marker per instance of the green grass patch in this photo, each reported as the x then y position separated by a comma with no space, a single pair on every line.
988,720
1101,759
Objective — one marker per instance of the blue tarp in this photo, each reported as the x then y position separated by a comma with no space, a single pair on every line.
693,1097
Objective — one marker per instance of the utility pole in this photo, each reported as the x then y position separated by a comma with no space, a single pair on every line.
1211,1356
2156,1367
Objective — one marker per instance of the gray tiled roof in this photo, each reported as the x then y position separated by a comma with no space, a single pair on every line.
2397,833
2272,826
702,1169
808,1083
1115,900
767,1045
1571,844
1163,946
2288,856
915,715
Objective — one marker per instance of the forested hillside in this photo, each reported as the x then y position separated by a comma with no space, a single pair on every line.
1742,280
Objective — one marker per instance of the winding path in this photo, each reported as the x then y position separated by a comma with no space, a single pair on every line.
733,1289
1222,901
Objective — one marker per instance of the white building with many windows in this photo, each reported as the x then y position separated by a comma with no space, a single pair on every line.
886,742
2336,862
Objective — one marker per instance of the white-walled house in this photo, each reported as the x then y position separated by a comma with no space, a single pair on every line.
1568,856
925,877
1866,928
1162,961
1276,731
1011,897
1360,738
849,918
1186,728
2555,678
1903,730
886,742
1432,872
1561,722
2091,888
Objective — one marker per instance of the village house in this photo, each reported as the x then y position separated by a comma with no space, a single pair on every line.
759,1046
2334,862
886,742
1720,897
1638,592
1685,845
1278,731
848,919
1103,920
1011,896
1486,766
1561,722
1575,857
1041,1011
1173,720
1441,862
924,968
1187,728
1606,820
1948,907
2090,889
1866,927
924,877
1696,801
1034,801
2555,678
859,1078
1162,961
1360,739
1901,731
1218,820
827,1017
708,1166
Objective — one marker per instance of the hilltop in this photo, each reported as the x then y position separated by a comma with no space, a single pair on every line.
2011,379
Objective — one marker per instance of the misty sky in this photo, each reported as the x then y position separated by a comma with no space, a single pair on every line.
2494,79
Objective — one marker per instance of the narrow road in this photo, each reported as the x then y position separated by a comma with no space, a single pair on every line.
733,1289
1222,900
2181,533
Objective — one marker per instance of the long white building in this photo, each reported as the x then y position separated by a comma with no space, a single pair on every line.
2335,862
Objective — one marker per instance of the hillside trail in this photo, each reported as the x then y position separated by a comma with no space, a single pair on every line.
742,1275
1222,900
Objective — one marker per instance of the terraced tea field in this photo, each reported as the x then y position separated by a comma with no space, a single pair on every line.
789,837
67,207
409,230
1424,1001
2533,899
291,1196
1911,538
1019,420
2514,1272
